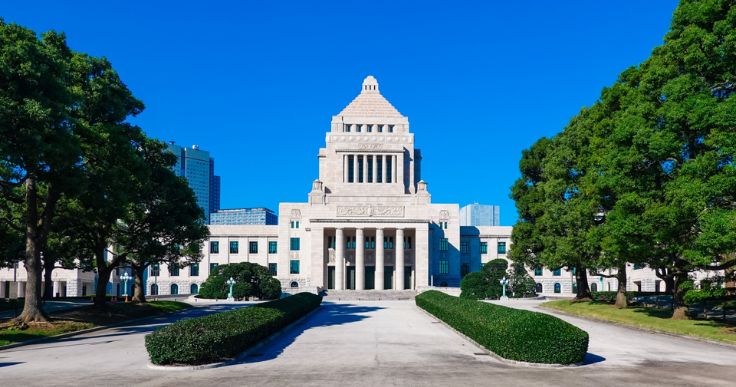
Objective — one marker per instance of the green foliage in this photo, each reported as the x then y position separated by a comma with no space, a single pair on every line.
251,280
484,284
521,283
224,335
510,333
696,296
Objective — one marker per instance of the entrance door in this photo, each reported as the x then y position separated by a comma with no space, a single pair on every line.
350,279
330,277
370,277
407,277
388,277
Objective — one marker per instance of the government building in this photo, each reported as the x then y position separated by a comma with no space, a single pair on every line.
368,223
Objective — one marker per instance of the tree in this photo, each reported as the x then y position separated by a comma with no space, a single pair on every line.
520,282
251,280
166,225
39,152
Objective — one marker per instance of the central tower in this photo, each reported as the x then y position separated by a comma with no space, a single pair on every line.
369,154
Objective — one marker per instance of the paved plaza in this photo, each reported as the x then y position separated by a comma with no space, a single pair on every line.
372,343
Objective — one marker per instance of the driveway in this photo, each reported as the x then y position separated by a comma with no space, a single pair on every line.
368,343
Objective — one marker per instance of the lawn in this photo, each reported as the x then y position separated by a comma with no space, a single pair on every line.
89,317
648,318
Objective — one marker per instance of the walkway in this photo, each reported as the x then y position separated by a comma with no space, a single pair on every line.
369,343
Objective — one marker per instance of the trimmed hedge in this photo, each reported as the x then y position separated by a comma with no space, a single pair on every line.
609,297
224,335
510,333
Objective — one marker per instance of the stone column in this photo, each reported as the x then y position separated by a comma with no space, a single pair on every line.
378,280
399,268
365,168
359,259
375,168
400,170
355,168
383,168
345,168
339,259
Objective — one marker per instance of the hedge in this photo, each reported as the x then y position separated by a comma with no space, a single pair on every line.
224,335
510,333
609,297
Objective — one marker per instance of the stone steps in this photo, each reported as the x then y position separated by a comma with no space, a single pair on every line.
368,295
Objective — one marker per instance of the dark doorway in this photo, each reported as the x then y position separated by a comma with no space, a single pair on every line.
407,277
350,278
330,277
388,277
370,277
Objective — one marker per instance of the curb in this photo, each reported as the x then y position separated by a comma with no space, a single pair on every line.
499,358
243,355
642,329
83,331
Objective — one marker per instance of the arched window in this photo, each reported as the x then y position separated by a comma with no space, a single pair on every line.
558,288
174,289
539,288
193,289
594,287
154,290
294,284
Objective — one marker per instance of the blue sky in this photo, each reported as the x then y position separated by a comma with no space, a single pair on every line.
256,83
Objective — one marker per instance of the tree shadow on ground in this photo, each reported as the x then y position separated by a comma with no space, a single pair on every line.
329,314
591,358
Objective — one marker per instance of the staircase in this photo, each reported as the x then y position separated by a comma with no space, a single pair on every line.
367,295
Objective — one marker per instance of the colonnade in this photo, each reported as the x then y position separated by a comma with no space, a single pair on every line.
372,168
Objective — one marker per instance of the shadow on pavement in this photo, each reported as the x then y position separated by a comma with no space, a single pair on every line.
591,358
329,314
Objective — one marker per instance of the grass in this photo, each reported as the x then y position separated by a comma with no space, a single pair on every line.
88,317
648,318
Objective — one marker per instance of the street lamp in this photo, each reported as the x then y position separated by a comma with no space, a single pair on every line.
230,282
504,281
125,278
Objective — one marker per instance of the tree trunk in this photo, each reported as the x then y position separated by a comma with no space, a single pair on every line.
581,278
48,269
103,277
139,295
621,300
679,311
32,311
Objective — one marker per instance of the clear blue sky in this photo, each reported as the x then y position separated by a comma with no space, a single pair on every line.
256,83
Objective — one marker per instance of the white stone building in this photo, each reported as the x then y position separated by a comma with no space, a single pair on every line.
368,223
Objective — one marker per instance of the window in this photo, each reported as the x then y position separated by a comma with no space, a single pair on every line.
294,266
194,270
214,247
347,128
574,270
213,267
294,284
637,266
502,247
388,242
390,128
574,287
272,247
369,160
370,243
174,269
233,247
389,170
558,288
443,244
380,128
407,242
465,247
360,168
351,169
594,287
193,289
539,288
294,244
444,266
484,247
331,242
174,289
294,224
154,290
556,272
155,270
272,268
253,247
538,271
350,243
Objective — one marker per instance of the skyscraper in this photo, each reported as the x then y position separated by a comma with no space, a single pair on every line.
198,168
480,215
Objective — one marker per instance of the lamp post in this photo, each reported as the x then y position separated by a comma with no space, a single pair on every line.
230,282
504,281
125,278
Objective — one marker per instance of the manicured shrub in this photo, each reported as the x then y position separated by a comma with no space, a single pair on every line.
510,333
251,280
695,296
609,297
224,335
485,283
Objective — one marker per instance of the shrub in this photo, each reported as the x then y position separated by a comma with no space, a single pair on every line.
485,283
694,296
224,335
521,283
251,280
510,333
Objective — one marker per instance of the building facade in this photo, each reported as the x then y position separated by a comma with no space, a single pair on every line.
235,216
198,168
480,215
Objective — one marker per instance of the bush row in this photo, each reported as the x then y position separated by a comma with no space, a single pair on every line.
510,333
224,335
609,297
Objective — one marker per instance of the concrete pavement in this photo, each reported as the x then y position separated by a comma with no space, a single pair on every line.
370,343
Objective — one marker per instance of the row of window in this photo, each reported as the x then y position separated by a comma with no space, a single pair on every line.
194,269
369,242
465,247
174,289
539,271
557,288
234,247
368,128
370,176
